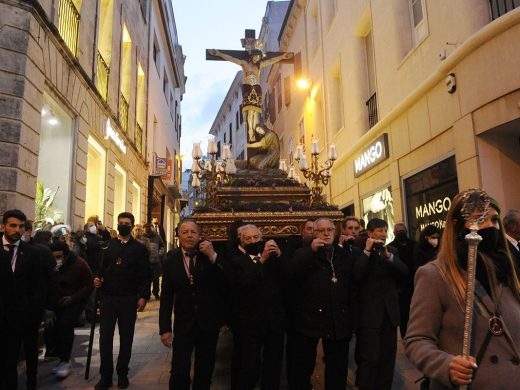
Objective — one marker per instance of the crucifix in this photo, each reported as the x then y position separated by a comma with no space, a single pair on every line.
252,60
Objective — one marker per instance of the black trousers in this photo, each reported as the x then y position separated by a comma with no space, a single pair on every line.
205,345
376,349
260,357
122,310
23,328
335,354
156,274
61,335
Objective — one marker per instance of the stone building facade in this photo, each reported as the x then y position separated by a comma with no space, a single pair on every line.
74,92
419,101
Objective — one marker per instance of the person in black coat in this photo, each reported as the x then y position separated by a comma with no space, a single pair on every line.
405,247
193,285
325,308
381,273
427,247
123,282
31,295
261,320
512,230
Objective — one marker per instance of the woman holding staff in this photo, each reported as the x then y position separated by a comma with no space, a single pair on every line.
435,333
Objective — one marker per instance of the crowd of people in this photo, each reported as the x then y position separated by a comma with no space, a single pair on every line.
274,295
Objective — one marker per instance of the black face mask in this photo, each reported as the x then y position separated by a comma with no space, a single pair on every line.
124,230
401,236
490,238
254,248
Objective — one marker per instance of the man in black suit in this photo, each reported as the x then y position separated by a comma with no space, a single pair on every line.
33,294
261,319
194,279
123,282
324,308
512,229
381,273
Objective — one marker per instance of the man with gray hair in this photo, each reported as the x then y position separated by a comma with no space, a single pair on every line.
512,229
261,319
324,309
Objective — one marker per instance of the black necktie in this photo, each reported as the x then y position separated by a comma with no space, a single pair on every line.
191,266
11,252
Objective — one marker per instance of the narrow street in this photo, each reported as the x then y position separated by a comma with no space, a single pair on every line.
150,364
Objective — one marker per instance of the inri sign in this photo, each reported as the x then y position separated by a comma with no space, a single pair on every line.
376,152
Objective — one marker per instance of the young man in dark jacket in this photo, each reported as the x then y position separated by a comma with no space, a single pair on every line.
123,279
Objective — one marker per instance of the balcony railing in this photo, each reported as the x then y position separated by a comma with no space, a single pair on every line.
372,110
102,76
139,138
502,7
123,113
68,24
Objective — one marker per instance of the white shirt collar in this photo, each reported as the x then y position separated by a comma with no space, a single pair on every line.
512,240
5,242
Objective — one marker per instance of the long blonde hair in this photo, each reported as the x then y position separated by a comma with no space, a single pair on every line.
450,268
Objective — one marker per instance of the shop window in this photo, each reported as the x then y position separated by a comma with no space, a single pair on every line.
136,201
55,160
96,173
119,190
428,196
380,205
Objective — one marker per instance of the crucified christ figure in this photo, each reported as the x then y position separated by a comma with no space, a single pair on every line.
251,89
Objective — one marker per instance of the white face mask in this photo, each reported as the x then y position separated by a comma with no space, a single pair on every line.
92,229
433,242
83,240
59,263
25,238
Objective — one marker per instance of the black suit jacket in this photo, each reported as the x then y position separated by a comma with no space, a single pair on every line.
515,254
201,304
323,308
35,279
379,281
7,294
259,299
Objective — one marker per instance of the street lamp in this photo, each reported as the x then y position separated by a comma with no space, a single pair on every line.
211,172
316,174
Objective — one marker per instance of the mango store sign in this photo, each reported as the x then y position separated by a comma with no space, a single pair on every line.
110,133
376,152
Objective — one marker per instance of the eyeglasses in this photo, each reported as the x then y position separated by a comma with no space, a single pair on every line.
325,230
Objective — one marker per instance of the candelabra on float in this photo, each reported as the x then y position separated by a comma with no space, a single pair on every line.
212,173
317,176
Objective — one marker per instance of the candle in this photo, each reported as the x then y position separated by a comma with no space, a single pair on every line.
303,163
333,154
299,152
212,146
226,153
290,175
231,169
283,166
196,153
315,146
195,166
195,183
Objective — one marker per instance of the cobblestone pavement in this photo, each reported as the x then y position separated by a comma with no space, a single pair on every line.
150,363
